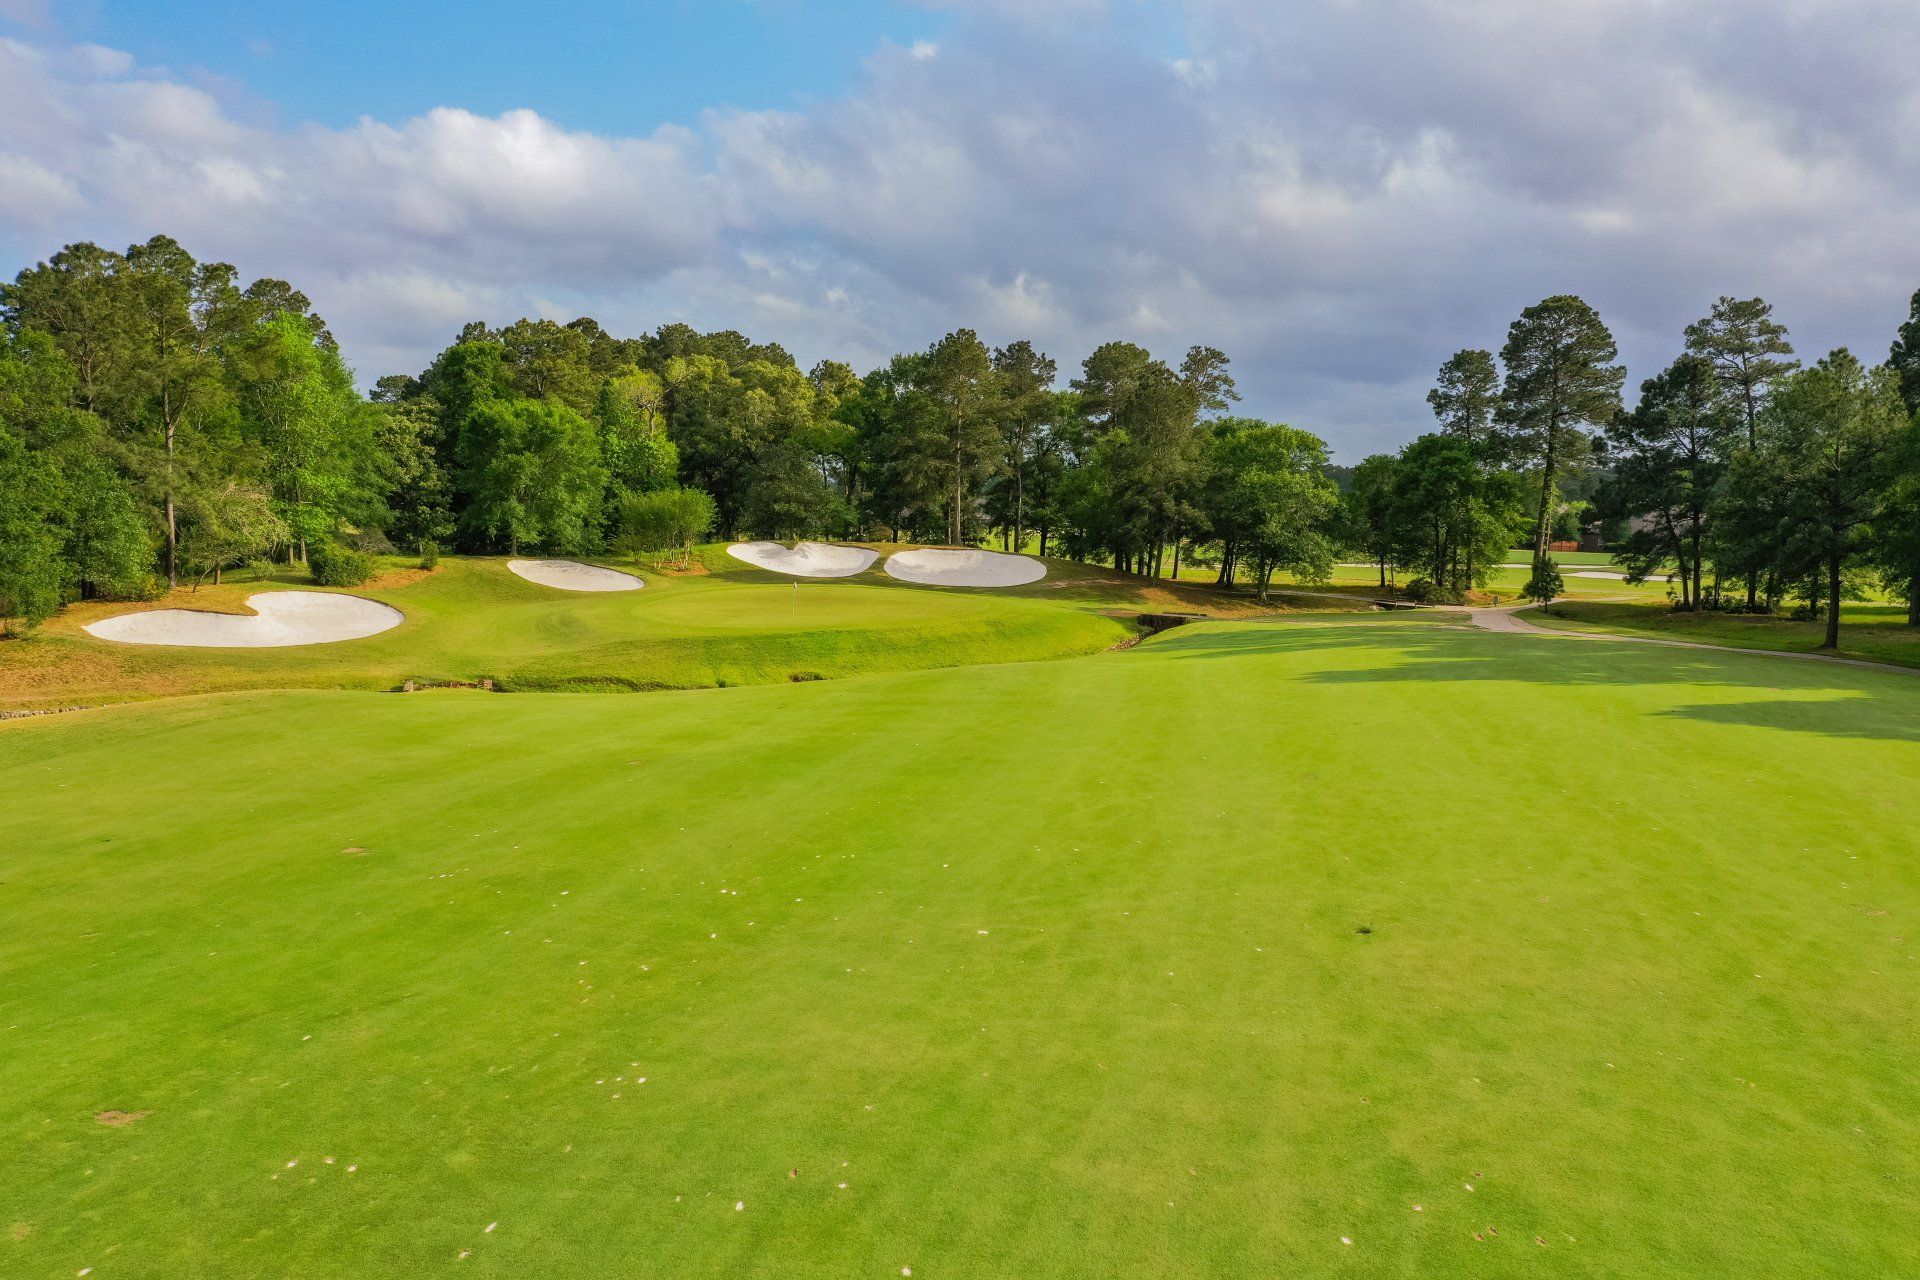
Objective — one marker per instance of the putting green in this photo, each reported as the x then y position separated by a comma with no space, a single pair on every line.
1490,955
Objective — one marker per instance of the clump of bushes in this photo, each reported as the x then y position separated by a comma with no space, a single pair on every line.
333,565
1427,591
429,554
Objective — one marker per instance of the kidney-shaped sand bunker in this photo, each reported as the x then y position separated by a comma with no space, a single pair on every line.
943,568
571,575
805,559
279,619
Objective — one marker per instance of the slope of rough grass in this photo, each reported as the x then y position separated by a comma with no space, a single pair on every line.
1202,959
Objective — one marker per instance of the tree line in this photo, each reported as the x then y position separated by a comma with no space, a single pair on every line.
1749,479
160,422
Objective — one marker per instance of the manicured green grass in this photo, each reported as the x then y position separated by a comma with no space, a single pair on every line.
723,623
1875,631
1504,584
472,619
1192,960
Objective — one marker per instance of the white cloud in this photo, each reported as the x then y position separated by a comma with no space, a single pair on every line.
33,195
1336,192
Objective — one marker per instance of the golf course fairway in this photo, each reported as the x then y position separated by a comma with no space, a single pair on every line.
1327,947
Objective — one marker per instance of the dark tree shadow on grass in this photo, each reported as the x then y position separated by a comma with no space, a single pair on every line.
1851,717
1870,704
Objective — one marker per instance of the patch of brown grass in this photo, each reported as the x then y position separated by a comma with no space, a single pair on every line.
120,1119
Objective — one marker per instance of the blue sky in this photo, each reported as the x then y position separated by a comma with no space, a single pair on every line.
586,64
1337,193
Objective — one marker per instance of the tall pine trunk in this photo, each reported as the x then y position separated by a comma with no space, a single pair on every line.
1543,531
1833,602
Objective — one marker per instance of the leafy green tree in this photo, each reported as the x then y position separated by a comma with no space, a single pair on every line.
1448,514
298,403
1895,545
1837,428
1029,406
419,490
1140,423
634,446
666,519
105,543
1749,351
1904,359
1204,373
229,522
723,417
1465,397
788,497
958,384
1670,456
530,476
81,298
31,568
544,360
1561,381
1271,500
905,486
103,539
1369,521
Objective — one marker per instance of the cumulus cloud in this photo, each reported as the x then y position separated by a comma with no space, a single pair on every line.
1337,192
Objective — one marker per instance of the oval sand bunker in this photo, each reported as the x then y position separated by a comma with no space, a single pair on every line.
571,575
805,559
965,568
279,619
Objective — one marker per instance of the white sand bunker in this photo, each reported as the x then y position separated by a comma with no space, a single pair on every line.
805,559
571,575
279,619
965,568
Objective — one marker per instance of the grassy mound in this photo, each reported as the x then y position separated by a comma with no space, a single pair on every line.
1490,955
472,619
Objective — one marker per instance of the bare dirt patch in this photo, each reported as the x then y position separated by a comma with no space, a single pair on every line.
120,1119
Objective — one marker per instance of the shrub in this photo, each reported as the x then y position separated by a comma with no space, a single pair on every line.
333,565
1543,584
371,541
1427,591
429,554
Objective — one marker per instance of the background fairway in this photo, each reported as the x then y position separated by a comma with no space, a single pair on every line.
1869,629
1638,994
